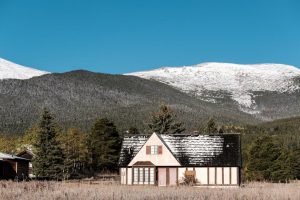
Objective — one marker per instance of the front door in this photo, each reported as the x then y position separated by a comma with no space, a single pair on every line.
162,176
172,176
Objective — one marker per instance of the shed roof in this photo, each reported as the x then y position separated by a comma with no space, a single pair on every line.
5,156
190,149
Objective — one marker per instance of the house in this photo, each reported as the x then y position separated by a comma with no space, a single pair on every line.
28,154
13,167
169,160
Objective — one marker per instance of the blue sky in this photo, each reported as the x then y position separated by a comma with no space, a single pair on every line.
133,35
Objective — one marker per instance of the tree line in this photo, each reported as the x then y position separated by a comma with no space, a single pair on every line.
69,154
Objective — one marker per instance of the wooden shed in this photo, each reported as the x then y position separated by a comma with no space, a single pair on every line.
13,167
28,154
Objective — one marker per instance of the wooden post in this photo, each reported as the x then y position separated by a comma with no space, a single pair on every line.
216,176
126,176
167,176
230,175
207,175
177,179
222,175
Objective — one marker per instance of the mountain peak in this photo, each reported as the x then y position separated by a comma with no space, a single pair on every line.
240,81
10,70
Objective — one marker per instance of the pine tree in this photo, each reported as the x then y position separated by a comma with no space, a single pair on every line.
294,163
211,126
104,145
163,122
48,161
264,160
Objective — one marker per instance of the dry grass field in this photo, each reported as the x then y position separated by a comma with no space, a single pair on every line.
59,190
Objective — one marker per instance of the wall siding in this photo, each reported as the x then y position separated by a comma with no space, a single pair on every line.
219,176
212,178
226,175
201,175
234,175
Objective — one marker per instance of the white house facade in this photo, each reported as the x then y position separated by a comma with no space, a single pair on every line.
169,160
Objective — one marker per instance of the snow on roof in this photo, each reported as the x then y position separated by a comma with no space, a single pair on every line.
191,150
4,156
205,150
130,147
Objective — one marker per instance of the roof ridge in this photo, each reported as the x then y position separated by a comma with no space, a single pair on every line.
163,141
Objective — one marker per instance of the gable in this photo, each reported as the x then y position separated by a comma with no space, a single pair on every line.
166,158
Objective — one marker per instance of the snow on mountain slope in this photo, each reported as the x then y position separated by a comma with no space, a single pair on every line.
240,81
10,70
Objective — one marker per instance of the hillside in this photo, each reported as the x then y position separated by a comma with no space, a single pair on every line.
77,98
267,91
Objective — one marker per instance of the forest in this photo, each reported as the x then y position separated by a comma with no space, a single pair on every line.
270,151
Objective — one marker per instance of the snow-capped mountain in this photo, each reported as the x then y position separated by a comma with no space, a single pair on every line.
10,70
212,81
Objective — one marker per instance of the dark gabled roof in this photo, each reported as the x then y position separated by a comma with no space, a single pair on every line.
130,147
190,149
28,154
5,156
205,150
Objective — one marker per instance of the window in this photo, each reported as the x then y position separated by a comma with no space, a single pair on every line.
154,149
135,175
146,170
151,175
143,175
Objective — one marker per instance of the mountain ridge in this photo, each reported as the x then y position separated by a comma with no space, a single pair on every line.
239,82
78,97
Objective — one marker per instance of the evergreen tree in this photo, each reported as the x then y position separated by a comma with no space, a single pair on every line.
267,161
73,144
104,145
164,122
48,161
211,127
294,163
221,129
287,166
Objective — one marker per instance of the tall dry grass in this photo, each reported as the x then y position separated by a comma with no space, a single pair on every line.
59,190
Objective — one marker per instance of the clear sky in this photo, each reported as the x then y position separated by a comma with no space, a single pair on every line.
133,35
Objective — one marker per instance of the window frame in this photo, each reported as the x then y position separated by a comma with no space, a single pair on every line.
154,149
141,176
